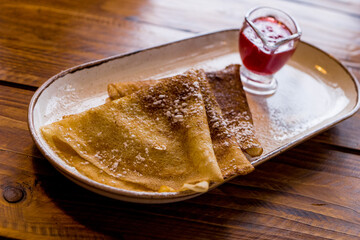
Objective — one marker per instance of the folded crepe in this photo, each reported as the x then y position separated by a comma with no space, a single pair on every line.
230,95
156,139
229,156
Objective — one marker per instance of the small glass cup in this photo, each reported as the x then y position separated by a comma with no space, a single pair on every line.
267,39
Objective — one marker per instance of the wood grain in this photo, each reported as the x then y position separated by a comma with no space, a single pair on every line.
307,187
14,133
47,37
309,192
44,39
283,197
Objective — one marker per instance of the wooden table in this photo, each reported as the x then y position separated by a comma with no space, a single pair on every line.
309,192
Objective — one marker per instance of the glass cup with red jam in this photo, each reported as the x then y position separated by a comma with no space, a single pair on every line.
267,40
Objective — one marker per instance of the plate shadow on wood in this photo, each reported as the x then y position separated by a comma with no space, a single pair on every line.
238,204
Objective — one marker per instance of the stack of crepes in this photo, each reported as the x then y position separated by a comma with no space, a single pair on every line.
169,135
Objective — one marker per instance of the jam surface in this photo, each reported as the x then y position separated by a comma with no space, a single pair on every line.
259,58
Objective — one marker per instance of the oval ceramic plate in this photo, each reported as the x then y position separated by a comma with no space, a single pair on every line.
315,92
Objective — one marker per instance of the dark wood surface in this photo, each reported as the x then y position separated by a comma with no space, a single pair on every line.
309,192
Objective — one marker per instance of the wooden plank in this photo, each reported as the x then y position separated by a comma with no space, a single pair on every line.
343,134
14,133
297,193
308,192
332,31
294,196
37,215
39,41
41,38
350,7
305,191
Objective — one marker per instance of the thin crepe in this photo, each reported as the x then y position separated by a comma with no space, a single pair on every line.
230,95
229,156
156,139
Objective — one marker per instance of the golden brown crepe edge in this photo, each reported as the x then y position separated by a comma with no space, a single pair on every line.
219,81
194,187
242,166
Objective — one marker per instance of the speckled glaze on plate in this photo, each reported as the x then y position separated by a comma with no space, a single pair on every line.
315,92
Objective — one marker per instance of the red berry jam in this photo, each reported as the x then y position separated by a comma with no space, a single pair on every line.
259,58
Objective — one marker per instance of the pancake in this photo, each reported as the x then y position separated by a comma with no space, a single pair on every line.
156,139
230,95
122,89
229,156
